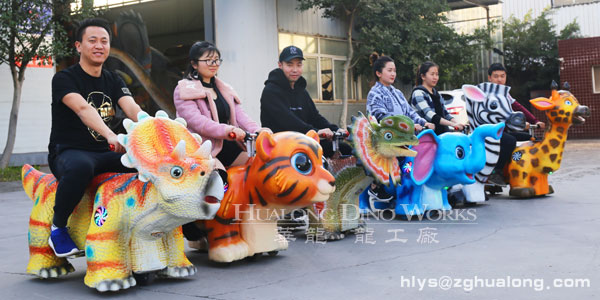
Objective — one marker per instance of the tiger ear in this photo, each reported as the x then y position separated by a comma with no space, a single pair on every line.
313,134
264,145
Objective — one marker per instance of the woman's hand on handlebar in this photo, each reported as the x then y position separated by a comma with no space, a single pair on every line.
236,134
458,126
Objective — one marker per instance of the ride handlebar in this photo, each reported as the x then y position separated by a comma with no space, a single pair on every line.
249,139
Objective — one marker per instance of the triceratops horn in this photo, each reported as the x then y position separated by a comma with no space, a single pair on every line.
204,150
179,151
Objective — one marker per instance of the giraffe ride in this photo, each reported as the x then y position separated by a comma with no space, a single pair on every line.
532,162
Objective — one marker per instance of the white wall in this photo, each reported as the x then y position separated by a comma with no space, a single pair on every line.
586,14
310,22
246,35
34,122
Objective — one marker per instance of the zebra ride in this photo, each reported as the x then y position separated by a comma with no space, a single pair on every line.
489,103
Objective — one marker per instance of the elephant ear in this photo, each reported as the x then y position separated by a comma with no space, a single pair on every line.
426,153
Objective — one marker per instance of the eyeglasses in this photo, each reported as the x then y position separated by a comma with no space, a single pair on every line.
212,62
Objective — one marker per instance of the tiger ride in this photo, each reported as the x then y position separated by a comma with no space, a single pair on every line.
489,105
532,162
441,162
376,146
285,173
130,224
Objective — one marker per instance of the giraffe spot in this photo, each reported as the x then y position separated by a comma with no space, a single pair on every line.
545,149
559,161
553,157
554,143
524,175
547,170
560,129
566,120
521,162
561,112
514,173
532,179
559,136
568,114
553,113
535,162
533,150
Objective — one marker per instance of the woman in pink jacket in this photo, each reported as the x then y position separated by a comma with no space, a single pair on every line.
212,108
214,111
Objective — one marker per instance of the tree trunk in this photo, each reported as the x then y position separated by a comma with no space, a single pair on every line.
344,114
12,124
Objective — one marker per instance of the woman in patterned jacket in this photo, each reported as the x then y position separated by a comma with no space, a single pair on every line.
427,101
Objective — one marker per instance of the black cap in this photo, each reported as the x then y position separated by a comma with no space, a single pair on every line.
290,52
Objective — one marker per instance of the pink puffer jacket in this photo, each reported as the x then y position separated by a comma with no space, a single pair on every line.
195,104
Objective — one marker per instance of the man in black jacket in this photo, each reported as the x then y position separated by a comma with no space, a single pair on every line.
285,104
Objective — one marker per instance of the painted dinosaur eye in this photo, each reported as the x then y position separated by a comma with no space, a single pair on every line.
460,152
301,163
388,136
494,105
567,102
176,172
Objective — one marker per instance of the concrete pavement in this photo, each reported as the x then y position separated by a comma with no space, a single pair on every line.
534,244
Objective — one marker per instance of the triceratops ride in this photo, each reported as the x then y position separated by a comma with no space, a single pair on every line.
532,162
377,146
441,161
130,224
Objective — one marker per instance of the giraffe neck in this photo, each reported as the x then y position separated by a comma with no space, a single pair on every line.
553,145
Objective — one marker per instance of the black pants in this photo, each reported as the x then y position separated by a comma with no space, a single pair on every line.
74,169
327,146
508,142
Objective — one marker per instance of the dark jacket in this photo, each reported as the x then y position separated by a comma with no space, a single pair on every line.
285,109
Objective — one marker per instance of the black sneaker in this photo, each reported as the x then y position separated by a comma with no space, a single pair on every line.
379,194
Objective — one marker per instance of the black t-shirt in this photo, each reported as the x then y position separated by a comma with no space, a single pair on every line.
102,93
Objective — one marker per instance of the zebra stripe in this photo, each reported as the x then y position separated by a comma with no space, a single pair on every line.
495,109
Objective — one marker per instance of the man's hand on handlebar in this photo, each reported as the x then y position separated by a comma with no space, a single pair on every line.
114,145
325,133
541,125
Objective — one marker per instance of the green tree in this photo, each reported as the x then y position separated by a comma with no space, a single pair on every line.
414,31
531,52
345,10
29,30
409,31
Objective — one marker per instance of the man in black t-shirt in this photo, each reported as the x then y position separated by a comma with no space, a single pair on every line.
85,98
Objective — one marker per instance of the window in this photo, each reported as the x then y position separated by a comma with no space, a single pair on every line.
324,67
596,79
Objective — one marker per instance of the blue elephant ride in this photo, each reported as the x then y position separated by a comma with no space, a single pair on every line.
441,162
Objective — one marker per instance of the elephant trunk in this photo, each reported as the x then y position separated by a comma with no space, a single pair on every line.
477,160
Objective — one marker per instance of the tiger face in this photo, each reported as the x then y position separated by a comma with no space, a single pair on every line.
291,169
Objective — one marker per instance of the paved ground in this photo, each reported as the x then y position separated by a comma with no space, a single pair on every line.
503,241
